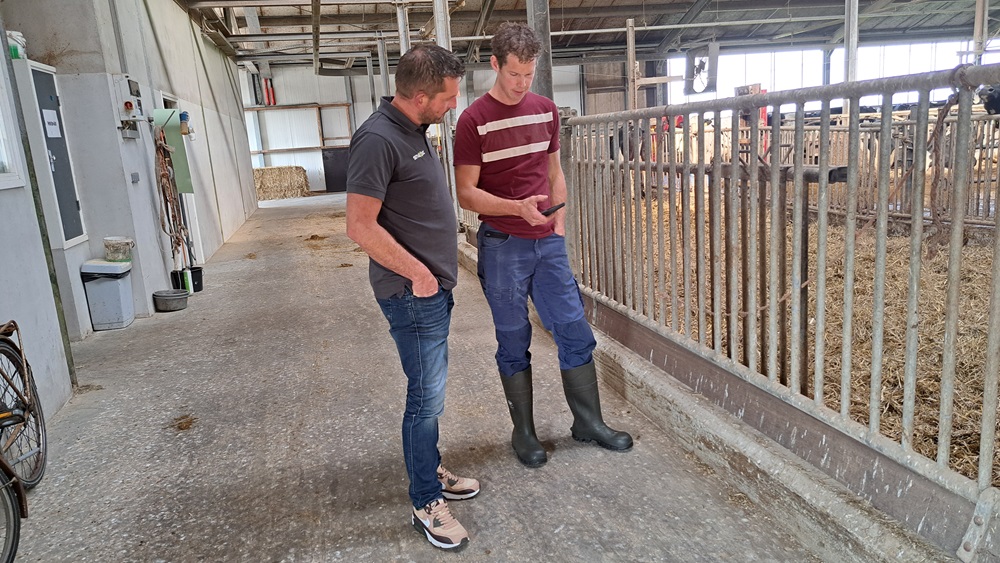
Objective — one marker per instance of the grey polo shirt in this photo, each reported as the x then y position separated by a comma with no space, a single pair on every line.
391,159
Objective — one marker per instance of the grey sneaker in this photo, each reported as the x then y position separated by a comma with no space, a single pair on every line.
439,526
456,488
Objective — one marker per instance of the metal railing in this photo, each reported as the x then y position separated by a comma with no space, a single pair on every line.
799,255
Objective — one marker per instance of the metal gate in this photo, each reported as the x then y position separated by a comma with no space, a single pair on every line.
845,265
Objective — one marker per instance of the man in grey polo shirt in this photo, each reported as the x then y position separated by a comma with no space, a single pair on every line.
399,210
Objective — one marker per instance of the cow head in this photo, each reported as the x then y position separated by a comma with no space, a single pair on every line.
989,95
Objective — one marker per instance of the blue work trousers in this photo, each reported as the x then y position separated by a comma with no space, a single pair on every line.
420,326
510,270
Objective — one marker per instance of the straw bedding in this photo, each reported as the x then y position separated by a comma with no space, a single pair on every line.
969,349
970,345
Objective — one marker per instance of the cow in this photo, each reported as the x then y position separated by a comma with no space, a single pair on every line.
989,95
618,145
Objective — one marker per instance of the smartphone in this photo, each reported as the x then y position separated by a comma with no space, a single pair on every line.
553,209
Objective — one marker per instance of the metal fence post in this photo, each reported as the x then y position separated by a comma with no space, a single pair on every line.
573,210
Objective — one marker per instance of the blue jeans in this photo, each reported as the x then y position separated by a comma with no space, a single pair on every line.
420,328
512,269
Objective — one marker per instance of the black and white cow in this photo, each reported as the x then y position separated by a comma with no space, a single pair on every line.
989,95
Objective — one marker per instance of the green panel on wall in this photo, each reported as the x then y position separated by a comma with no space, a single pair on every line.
170,121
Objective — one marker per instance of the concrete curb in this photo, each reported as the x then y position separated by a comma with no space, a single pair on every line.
468,256
814,508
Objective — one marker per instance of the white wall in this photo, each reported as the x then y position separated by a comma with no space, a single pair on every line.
363,96
300,85
166,54
27,295
72,36
104,184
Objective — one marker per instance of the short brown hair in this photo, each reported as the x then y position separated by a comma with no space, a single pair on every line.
424,68
515,39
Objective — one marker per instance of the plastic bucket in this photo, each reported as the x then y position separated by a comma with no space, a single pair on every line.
118,249
196,279
177,279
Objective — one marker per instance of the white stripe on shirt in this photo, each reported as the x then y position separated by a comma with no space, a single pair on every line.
515,151
514,122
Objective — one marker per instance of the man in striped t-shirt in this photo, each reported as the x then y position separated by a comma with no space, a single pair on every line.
507,170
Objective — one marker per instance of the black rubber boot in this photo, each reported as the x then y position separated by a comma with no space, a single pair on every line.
580,385
517,389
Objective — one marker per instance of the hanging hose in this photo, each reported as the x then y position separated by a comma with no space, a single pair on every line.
171,218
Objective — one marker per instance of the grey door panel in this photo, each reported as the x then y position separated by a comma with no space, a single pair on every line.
57,154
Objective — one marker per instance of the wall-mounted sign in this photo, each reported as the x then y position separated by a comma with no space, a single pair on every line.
51,119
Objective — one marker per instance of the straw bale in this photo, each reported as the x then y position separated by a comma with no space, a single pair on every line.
280,182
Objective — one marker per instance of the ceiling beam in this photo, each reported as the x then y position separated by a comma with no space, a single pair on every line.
199,4
837,35
210,19
215,28
427,31
597,12
472,51
647,52
875,8
630,10
683,19
221,42
316,12
687,18
253,24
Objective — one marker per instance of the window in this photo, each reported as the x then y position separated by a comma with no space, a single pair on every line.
11,175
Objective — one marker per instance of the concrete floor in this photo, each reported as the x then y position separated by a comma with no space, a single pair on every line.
262,424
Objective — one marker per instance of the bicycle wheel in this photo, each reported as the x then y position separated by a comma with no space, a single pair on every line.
10,521
22,445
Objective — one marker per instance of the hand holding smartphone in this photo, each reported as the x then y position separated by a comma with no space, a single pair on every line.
553,209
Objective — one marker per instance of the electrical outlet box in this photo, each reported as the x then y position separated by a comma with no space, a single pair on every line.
128,97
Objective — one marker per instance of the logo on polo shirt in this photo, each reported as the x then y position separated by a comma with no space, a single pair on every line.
418,155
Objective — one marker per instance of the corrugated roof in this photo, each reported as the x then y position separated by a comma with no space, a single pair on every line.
582,29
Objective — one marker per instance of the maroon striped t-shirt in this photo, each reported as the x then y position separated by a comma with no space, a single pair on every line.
511,145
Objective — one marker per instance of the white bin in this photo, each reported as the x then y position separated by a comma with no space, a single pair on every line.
109,293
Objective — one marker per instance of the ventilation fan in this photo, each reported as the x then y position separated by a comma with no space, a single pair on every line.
702,69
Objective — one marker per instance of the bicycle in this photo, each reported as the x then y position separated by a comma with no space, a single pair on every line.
13,499
22,425
22,438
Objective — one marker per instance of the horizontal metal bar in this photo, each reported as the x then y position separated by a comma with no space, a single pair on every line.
301,149
811,173
967,75
304,56
281,37
199,4
298,106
